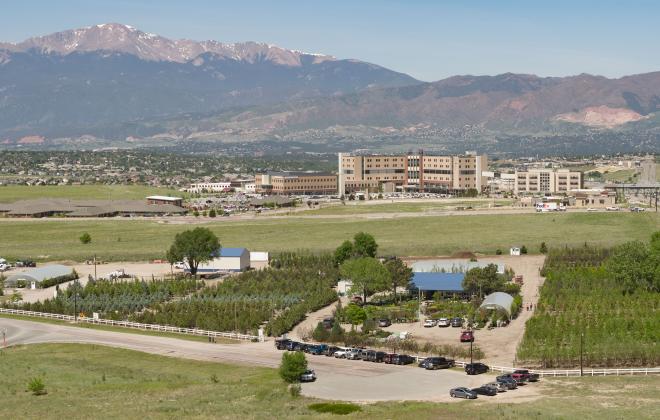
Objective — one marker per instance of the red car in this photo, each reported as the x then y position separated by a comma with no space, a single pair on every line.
467,337
524,375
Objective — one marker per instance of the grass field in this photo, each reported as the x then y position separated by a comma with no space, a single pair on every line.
139,240
624,175
10,193
89,381
387,207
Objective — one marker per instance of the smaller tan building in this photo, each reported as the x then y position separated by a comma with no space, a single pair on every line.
296,183
161,199
594,198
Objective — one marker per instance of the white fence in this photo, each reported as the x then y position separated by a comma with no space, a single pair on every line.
575,372
567,372
135,325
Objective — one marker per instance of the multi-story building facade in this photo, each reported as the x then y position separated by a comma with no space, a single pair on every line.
203,187
552,181
296,183
412,172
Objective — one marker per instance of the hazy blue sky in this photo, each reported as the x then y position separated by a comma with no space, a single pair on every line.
426,39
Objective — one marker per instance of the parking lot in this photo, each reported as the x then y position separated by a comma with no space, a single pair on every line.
379,382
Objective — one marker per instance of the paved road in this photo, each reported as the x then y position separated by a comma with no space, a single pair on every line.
338,379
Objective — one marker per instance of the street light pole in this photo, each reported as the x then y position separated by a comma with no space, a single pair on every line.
471,361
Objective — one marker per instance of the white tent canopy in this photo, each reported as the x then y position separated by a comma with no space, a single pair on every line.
498,300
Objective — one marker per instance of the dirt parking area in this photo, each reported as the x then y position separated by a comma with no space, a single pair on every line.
499,344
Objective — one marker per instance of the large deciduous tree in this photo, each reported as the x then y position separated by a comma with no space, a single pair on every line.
367,274
343,252
634,265
194,246
364,245
400,274
483,281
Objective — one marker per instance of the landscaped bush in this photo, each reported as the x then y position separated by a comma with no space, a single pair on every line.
609,296
335,408
58,280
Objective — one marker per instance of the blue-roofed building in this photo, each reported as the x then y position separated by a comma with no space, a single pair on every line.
227,259
448,284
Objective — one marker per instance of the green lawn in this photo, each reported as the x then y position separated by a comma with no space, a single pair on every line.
386,207
90,381
137,240
624,175
10,193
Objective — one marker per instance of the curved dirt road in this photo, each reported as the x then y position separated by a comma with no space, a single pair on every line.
338,379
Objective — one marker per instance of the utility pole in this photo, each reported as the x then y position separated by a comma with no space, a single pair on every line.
419,305
95,268
581,345
471,342
75,306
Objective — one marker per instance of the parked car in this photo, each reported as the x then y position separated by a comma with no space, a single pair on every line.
308,376
507,381
403,359
378,357
637,209
518,380
457,322
282,343
463,392
498,386
369,356
429,323
331,350
25,263
432,363
306,347
298,346
476,368
341,353
318,349
384,322
389,358
364,354
4,267
612,208
443,322
526,375
180,265
591,209
290,345
485,390
467,337
353,354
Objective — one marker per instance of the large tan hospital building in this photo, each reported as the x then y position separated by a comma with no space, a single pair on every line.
411,172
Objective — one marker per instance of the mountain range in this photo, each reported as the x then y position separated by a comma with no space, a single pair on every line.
114,81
